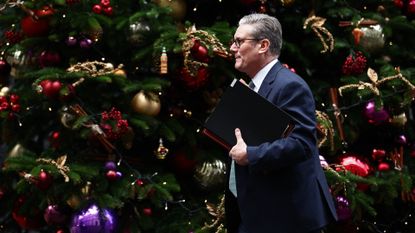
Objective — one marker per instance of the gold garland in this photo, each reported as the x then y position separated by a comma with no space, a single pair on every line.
94,68
59,164
206,40
327,131
373,87
316,24
219,213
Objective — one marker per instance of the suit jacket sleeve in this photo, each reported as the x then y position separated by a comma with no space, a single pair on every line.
292,94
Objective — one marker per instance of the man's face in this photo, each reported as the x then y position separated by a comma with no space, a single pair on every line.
245,50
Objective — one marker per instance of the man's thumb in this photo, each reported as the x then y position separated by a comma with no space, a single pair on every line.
238,135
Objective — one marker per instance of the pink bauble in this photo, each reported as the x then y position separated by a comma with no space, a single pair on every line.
411,7
375,116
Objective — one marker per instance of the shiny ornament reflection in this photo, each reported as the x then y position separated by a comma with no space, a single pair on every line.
93,220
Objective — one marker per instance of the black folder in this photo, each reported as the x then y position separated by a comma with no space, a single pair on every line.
258,119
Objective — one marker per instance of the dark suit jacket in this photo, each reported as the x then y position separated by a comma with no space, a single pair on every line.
283,189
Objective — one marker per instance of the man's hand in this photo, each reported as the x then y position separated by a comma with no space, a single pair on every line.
238,152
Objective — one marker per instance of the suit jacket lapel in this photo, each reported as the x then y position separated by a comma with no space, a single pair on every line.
266,86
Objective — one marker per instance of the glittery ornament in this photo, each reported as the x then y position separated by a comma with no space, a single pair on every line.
210,174
354,64
137,32
373,38
93,220
343,208
161,151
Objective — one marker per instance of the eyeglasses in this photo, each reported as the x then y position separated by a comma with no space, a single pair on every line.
238,42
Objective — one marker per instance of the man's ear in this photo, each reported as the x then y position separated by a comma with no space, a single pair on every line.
264,45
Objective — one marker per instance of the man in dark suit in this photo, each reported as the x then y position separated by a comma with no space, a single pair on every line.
278,186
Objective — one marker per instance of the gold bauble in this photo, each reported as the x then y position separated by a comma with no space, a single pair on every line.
399,120
146,103
120,72
4,91
287,2
17,150
74,201
178,7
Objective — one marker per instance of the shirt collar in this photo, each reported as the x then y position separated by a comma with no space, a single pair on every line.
260,76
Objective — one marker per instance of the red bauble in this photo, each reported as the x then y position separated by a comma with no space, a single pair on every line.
31,219
411,7
197,81
355,164
105,3
54,215
97,9
5,69
112,175
247,2
50,88
32,27
200,52
182,163
108,10
44,180
383,166
378,154
398,3
49,58
148,211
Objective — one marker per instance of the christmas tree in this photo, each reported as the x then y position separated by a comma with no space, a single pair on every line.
102,105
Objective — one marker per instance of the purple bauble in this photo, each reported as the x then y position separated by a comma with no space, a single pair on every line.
85,43
54,215
375,116
343,208
110,165
71,41
93,220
